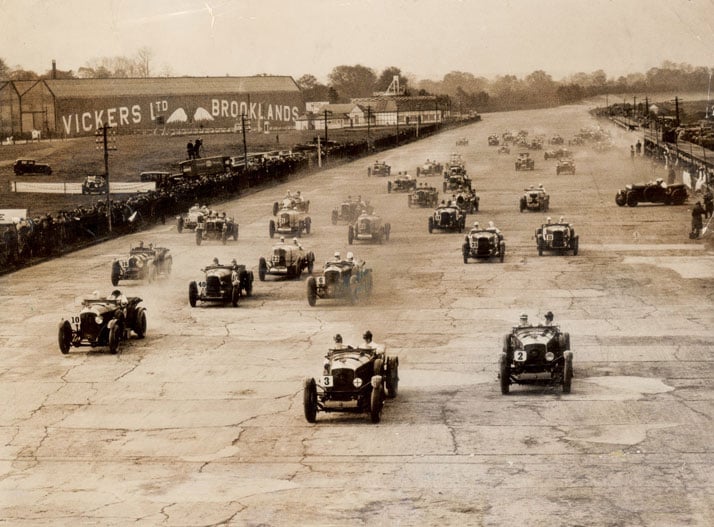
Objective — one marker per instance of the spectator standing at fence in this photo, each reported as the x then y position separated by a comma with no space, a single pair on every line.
697,223
638,147
197,144
190,152
708,203
632,152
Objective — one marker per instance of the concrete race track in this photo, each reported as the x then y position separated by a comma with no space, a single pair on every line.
201,422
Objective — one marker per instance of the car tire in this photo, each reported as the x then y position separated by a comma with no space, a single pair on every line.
310,262
540,247
235,232
504,373
679,196
502,251
308,225
311,291
431,224
576,243
353,291
389,187
179,225
309,399
350,235
114,338
620,199
262,269
276,207
271,228
567,371
192,294
465,252
140,326
376,401
65,336
392,377
631,199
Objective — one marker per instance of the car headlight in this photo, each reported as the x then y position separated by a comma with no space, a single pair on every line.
357,382
549,356
98,320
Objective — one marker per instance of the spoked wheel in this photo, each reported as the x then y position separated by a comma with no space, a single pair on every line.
309,399
65,336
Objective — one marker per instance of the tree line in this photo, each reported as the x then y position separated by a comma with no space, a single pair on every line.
461,91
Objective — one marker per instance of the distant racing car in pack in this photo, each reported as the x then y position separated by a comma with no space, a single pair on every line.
348,279
525,162
368,227
402,183
221,284
143,263
430,168
350,209
379,169
424,196
447,217
535,199
286,259
483,243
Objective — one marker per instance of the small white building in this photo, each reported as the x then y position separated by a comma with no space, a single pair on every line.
332,116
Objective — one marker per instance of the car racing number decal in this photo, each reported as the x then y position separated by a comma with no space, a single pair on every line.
520,356
327,381
75,321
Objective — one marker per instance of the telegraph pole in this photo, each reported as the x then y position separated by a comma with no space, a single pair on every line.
101,138
326,112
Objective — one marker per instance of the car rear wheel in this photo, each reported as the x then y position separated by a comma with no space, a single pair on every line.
540,247
271,228
65,336
114,338
431,225
567,372
504,371
309,399
502,251
353,291
276,207
192,293
376,400
392,377
262,269
631,199
140,327
620,199
576,243
334,217
311,291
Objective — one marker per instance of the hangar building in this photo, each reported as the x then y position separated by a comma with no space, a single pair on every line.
77,107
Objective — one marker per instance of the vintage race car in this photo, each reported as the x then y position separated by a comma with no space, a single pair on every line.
379,169
291,222
143,263
287,260
556,237
216,227
652,192
556,140
221,283
535,199
467,199
424,196
349,210
347,279
482,244
292,201
535,355
430,168
456,181
462,142
558,153
190,219
535,144
565,166
402,183
525,162
368,227
493,140
94,185
455,165
504,149
103,322
30,166
448,218
353,379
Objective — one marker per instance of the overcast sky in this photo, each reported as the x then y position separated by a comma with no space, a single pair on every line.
426,38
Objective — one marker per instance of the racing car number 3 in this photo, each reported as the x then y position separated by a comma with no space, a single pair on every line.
327,380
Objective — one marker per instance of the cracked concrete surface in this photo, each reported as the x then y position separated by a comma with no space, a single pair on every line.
201,422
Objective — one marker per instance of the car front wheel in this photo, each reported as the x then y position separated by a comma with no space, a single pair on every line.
376,400
309,399
65,337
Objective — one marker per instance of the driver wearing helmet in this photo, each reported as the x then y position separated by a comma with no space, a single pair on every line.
549,318
523,322
118,297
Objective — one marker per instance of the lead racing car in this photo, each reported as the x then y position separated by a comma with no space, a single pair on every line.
368,227
292,201
354,380
349,279
288,260
221,283
103,322
534,199
143,263
559,237
536,355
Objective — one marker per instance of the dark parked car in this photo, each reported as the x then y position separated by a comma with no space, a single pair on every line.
348,279
143,263
532,350
353,380
95,185
559,237
221,283
30,166
103,322
652,192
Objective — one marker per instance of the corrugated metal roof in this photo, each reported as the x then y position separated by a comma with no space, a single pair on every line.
23,86
390,104
85,88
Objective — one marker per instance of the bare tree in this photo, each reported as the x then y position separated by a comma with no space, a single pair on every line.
4,69
143,59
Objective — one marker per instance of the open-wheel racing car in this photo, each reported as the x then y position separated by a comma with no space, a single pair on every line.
221,283
103,322
559,237
483,244
565,166
95,185
368,227
347,279
448,218
30,166
430,168
143,263
652,192
349,210
534,199
525,162
292,201
531,351
287,260
424,196
353,380
216,227
291,222
402,183
379,169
